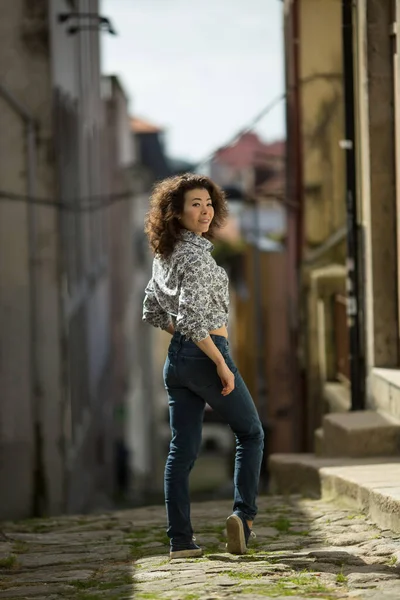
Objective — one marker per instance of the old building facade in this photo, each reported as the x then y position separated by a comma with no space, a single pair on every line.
56,379
343,106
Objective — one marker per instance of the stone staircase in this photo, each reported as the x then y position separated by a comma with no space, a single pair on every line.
358,435
356,460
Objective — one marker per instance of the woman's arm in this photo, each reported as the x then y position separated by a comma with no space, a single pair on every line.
170,329
152,311
208,347
225,374
193,306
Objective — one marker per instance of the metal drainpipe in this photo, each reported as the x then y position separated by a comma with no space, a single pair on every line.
296,164
298,136
353,285
30,141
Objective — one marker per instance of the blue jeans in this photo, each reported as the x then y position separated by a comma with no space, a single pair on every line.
191,381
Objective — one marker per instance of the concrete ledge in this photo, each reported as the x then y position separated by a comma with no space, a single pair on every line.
361,434
372,485
385,391
300,473
295,474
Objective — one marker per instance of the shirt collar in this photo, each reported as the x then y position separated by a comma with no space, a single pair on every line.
197,240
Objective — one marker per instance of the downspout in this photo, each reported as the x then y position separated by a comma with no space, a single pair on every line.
353,265
298,138
35,388
299,200
295,167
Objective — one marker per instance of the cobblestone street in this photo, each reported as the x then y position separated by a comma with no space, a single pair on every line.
304,549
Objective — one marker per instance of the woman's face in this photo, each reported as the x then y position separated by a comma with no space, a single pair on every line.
198,211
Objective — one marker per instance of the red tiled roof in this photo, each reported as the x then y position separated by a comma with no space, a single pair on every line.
249,150
277,148
142,126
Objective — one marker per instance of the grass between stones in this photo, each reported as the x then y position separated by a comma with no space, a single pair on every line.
9,562
95,596
217,530
138,534
341,578
279,591
297,585
356,516
33,526
20,547
137,551
213,549
282,524
304,584
155,596
95,584
241,575
137,541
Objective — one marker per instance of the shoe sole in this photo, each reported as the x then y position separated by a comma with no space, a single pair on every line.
186,553
235,534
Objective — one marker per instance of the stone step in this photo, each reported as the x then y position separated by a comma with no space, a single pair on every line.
359,434
372,485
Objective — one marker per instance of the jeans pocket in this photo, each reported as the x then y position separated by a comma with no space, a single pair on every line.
198,372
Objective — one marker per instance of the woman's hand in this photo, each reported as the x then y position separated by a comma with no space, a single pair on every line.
225,374
227,378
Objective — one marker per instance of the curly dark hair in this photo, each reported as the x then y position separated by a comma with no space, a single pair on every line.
166,205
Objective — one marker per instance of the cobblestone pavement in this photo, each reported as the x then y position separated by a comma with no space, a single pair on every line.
304,549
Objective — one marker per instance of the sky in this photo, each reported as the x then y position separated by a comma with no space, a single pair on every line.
201,69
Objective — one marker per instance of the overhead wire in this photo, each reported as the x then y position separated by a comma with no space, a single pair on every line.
266,110
101,201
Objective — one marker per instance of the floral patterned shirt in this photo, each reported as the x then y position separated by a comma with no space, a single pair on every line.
189,289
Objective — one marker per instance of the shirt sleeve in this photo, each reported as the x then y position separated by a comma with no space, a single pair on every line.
193,303
152,311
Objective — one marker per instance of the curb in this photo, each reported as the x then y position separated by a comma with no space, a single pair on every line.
371,485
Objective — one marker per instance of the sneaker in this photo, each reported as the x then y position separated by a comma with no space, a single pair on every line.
238,534
185,550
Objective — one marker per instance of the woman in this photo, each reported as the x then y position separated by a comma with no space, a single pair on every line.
188,297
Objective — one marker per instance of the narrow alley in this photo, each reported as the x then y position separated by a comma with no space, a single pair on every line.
304,549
